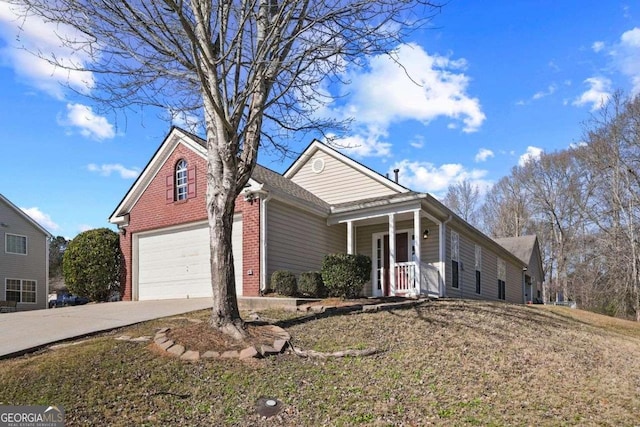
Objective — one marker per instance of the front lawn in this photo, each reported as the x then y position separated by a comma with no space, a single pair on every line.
444,363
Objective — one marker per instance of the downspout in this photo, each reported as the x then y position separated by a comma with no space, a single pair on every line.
524,285
443,245
263,243
47,245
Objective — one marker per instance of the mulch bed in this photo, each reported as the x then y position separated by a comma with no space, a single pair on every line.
202,337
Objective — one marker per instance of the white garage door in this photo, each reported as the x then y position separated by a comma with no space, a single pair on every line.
175,263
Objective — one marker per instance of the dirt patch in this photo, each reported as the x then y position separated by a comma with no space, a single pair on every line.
202,337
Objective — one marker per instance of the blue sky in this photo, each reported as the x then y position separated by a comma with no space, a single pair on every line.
497,82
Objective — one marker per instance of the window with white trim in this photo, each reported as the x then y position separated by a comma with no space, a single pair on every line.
15,244
502,279
478,269
455,258
20,290
181,185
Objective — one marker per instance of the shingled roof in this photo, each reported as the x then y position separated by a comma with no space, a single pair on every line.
522,246
274,181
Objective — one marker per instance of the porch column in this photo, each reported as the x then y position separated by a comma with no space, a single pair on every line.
350,239
417,247
392,254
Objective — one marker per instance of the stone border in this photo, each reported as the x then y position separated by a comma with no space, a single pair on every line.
171,348
360,308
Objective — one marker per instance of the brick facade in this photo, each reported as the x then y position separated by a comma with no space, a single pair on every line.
152,212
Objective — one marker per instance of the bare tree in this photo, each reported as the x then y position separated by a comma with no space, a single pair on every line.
245,66
613,204
553,189
505,212
464,198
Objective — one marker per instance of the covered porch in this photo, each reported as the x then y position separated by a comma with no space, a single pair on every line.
409,264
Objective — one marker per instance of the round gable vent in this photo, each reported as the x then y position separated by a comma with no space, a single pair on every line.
317,165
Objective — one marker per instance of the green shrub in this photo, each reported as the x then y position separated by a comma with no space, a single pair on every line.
310,284
344,275
284,283
92,264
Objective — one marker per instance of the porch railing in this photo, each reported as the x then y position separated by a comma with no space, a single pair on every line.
406,280
405,277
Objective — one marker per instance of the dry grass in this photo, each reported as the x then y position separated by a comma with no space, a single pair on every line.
443,363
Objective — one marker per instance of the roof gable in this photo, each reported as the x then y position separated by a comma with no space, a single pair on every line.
176,136
319,168
261,177
26,217
521,246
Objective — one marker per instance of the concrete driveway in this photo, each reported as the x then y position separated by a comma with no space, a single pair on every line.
27,330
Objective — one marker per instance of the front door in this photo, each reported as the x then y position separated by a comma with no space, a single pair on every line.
402,255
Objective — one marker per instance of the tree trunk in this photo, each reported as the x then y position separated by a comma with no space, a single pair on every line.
225,315
221,194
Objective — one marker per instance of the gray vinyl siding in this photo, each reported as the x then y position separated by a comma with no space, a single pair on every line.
536,273
364,242
514,283
489,272
298,241
32,266
338,182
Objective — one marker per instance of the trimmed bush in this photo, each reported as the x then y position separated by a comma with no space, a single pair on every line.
284,283
92,264
310,284
344,275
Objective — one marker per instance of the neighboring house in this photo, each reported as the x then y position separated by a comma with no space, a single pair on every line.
324,203
24,258
528,250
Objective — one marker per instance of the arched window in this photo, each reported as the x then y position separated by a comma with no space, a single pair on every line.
181,182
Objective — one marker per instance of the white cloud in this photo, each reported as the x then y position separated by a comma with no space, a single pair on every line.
107,169
550,91
363,145
597,46
41,218
25,36
426,87
184,120
425,176
532,153
579,144
90,124
598,94
417,141
483,154
628,57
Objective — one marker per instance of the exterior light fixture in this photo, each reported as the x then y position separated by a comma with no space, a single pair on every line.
425,234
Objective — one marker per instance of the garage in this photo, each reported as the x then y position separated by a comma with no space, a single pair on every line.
174,262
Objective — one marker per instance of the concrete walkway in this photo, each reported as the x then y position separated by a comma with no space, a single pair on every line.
28,330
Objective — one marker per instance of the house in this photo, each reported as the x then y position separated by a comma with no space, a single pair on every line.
24,260
527,249
324,203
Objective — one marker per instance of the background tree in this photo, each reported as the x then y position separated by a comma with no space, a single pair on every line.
92,264
612,206
505,212
552,185
584,205
57,246
464,199
254,70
